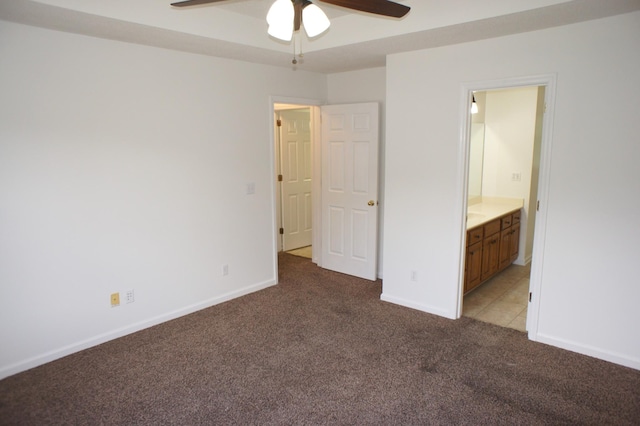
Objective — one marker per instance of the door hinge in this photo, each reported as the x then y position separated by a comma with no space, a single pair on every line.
279,123
538,206
279,178
530,296
281,231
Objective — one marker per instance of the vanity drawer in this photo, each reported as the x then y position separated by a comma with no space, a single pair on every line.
491,228
506,221
475,235
516,218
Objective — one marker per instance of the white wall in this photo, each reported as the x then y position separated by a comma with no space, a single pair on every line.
588,290
510,124
125,167
367,85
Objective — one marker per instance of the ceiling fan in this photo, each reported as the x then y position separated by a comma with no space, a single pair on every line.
287,16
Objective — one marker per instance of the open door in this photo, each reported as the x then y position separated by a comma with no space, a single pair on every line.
295,160
350,140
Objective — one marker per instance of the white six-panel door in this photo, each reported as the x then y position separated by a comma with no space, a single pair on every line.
296,161
350,189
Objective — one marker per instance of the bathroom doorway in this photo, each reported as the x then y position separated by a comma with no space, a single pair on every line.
505,140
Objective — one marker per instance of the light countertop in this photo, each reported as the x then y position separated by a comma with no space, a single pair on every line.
487,209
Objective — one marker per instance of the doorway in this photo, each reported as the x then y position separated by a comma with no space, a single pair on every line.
277,104
344,147
504,151
294,161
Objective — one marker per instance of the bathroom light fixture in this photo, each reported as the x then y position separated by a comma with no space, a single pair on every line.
474,105
286,16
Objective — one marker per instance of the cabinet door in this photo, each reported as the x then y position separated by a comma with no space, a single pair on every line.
505,248
474,266
515,241
490,252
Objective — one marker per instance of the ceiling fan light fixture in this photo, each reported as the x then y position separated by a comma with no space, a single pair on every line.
280,20
314,20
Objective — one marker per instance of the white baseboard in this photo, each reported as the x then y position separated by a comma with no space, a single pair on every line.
616,358
129,329
418,306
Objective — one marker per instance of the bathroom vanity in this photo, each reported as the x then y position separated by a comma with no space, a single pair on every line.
493,239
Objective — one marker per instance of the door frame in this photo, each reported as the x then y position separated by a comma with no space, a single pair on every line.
314,106
284,207
537,262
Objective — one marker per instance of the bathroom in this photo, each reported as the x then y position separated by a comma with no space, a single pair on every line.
504,154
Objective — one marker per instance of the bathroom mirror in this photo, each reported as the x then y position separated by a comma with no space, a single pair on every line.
476,148
476,159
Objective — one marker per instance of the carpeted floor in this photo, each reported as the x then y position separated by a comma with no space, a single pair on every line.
321,348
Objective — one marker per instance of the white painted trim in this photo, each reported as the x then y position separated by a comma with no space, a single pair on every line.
316,194
461,197
549,81
418,306
540,232
588,350
129,329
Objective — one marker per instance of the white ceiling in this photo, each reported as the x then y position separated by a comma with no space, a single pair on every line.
236,29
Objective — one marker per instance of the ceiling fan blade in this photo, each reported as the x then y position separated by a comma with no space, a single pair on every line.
379,7
194,2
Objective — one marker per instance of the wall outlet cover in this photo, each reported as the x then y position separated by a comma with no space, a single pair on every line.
115,300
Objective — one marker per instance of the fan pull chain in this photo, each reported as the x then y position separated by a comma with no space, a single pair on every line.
300,55
294,61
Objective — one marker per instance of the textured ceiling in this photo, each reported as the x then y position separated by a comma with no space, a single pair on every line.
351,45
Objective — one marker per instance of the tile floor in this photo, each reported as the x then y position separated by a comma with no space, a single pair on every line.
304,252
502,300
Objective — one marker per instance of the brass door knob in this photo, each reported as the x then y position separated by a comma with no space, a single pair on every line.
371,202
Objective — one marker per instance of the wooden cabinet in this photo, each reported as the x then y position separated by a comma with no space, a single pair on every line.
505,247
473,263
515,237
515,242
473,270
491,247
491,250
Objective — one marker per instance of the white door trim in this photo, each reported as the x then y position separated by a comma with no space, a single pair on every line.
549,81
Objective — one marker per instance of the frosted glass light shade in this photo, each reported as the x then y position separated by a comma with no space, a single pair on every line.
280,20
474,105
314,20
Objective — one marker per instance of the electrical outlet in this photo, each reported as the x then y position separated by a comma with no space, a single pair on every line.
225,270
115,300
130,296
